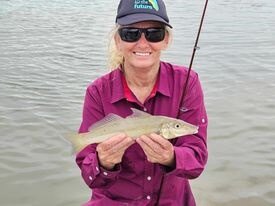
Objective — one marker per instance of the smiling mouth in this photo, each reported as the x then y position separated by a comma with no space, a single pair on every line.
142,53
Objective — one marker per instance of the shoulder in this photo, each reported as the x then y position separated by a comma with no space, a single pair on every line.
105,81
178,72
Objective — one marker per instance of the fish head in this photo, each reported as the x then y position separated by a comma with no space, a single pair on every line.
177,128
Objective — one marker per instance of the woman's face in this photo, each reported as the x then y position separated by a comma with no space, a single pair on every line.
142,53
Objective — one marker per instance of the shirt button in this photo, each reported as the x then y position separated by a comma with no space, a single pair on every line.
96,168
203,120
149,178
148,197
90,178
105,173
144,109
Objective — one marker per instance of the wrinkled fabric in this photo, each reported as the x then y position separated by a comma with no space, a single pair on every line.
135,181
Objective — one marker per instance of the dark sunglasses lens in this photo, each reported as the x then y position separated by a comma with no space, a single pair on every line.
155,34
134,34
129,34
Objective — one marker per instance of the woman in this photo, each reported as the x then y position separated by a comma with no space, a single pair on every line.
150,170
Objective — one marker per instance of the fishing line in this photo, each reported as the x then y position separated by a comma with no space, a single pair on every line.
187,79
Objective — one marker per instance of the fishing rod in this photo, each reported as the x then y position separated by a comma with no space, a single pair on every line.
187,79
195,48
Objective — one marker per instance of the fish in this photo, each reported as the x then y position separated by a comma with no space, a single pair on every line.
137,124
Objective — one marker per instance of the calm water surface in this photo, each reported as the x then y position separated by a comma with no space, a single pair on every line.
51,50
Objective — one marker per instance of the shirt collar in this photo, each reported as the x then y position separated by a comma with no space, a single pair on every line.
120,90
164,84
117,86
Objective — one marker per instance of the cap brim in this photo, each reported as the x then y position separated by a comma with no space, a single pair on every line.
135,18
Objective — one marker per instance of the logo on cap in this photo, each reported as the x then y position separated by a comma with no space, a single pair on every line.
146,4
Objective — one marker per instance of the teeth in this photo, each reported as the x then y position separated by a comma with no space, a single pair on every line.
142,54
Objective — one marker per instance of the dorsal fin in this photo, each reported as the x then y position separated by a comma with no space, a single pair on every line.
108,119
138,113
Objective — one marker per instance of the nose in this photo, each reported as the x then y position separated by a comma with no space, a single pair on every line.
142,40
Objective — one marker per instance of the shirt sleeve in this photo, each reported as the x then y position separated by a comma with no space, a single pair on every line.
191,150
93,174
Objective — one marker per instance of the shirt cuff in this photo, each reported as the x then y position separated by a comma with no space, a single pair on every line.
177,169
110,174
91,166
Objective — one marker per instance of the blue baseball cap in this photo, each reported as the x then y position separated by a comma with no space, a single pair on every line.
134,11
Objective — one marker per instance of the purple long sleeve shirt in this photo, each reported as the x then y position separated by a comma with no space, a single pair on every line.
135,181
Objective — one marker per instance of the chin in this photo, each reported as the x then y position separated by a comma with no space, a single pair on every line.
144,63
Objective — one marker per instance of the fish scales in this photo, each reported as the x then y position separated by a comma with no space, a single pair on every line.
135,125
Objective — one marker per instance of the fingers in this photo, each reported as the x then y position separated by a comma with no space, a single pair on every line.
122,145
149,145
111,151
157,149
162,141
151,149
114,140
155,143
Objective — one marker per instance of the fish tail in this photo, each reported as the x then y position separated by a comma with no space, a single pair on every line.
76,142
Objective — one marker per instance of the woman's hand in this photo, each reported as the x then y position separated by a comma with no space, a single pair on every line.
110,152
157,149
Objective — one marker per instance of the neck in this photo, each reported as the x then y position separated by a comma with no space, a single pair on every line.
141,77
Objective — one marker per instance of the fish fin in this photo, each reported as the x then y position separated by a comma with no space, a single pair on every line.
75,141
138,113
106,120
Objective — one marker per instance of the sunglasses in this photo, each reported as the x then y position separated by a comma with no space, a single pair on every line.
130,34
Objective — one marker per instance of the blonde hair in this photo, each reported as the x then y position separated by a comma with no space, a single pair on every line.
115,57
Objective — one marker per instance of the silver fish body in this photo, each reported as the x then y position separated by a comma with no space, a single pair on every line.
135,125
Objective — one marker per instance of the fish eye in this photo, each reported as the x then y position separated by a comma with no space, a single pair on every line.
177,126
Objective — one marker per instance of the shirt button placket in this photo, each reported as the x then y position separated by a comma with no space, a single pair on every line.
148,197
148,183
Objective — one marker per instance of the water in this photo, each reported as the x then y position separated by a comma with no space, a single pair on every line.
51,50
